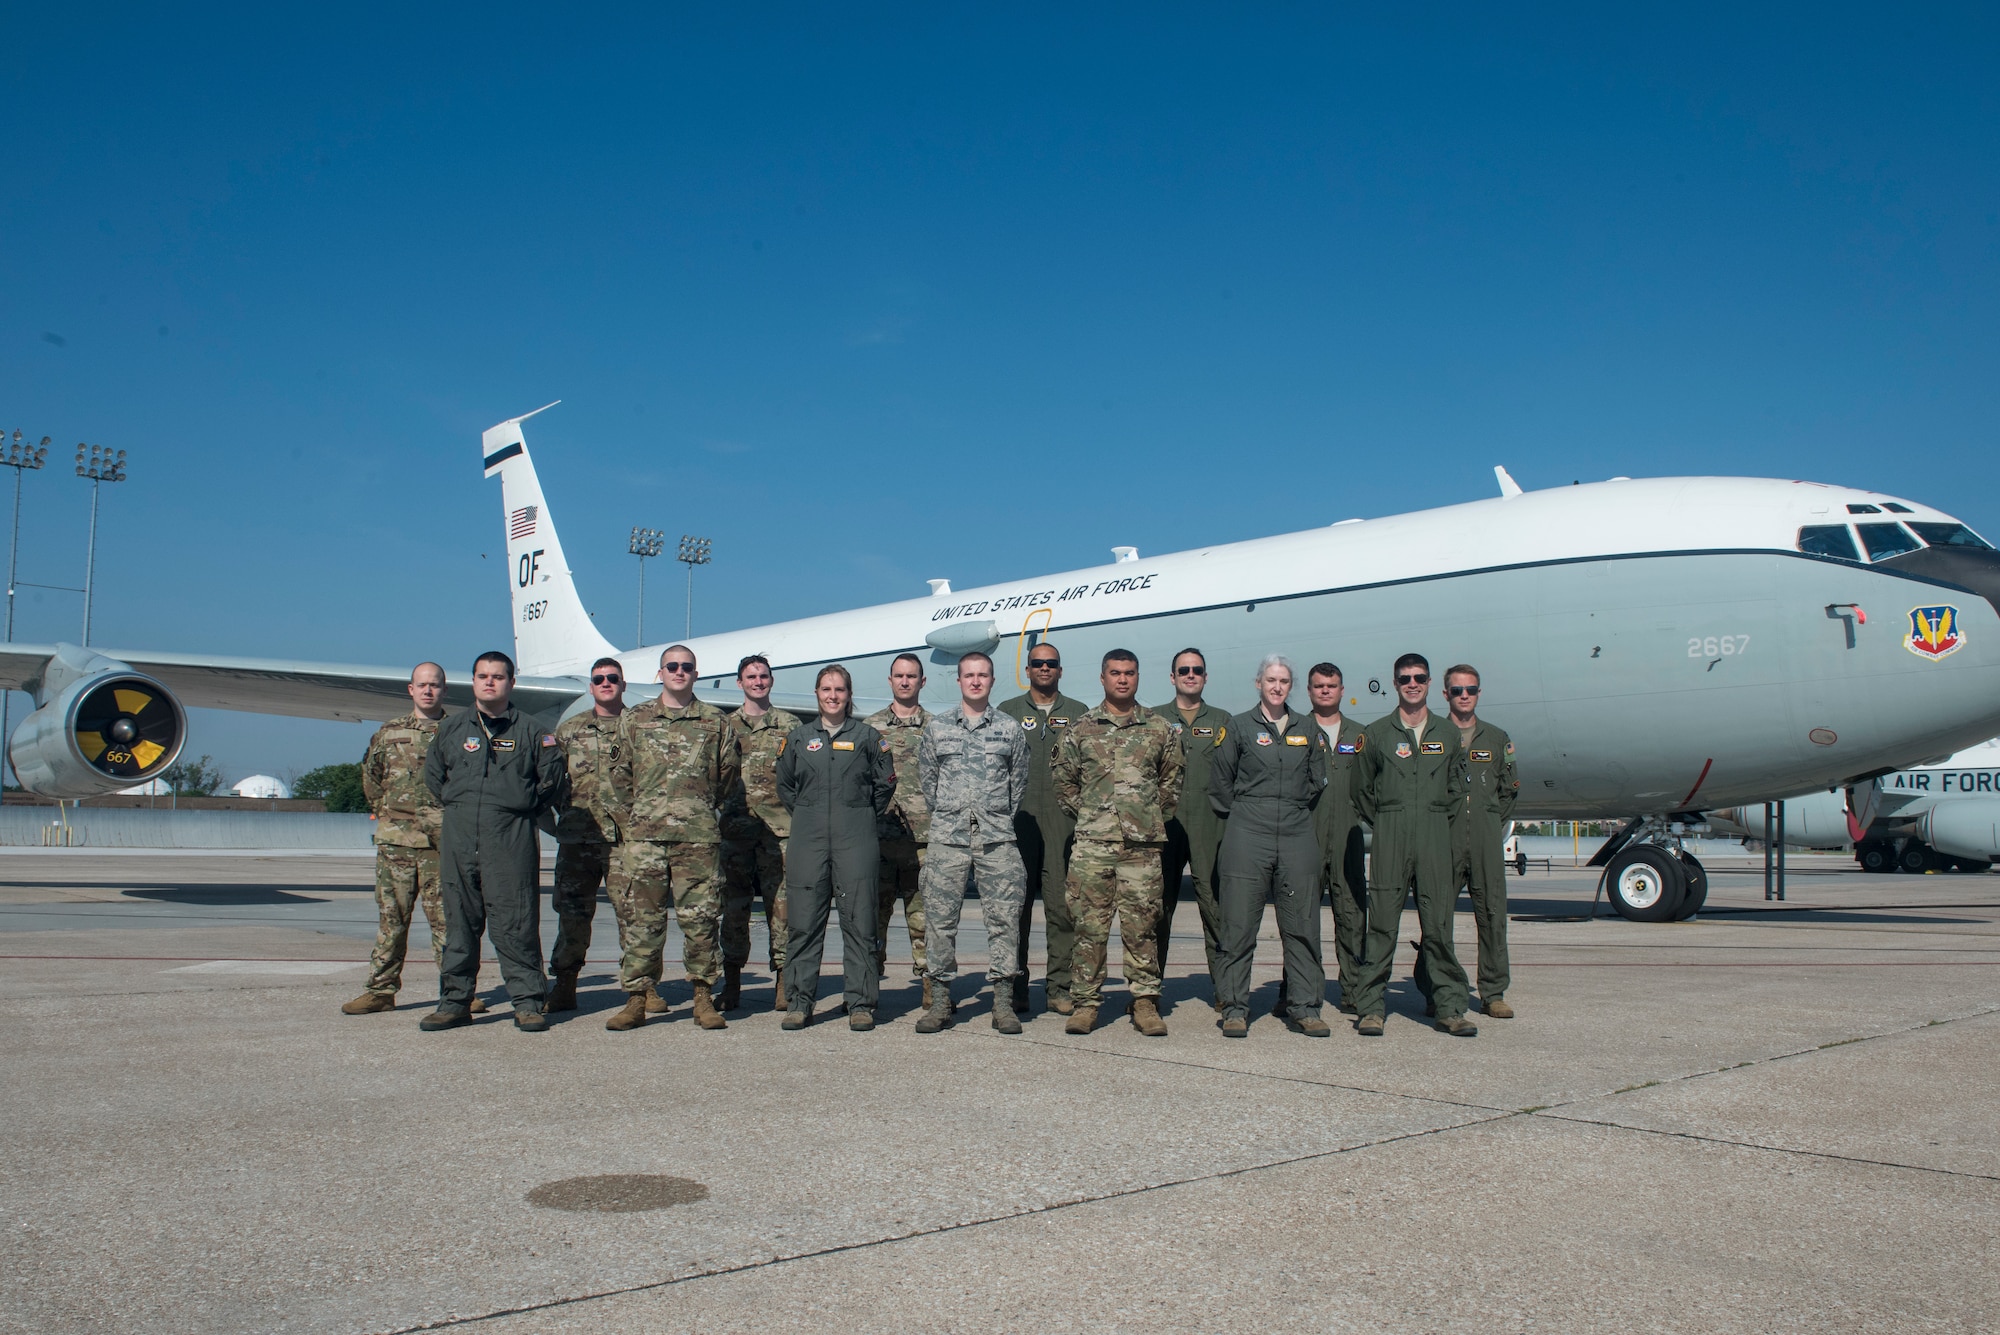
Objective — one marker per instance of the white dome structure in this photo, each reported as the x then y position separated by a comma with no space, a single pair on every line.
261,785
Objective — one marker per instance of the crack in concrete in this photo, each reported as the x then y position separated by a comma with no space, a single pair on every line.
1757,1145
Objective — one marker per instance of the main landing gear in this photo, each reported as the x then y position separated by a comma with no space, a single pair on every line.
1650,877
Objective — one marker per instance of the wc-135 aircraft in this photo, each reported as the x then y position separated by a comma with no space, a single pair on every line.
1656,647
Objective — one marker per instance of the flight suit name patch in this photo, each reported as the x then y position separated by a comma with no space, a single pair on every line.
1433,748
1346,748
1058,723
1298,741
844,746
503,743
1482,757
1204,732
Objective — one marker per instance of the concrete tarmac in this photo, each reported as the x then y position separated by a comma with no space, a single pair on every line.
1773,1118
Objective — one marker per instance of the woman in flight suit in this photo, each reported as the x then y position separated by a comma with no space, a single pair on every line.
835,776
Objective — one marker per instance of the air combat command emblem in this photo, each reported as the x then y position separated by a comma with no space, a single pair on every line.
1933,632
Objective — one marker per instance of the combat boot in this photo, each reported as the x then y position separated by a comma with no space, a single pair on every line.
1235,1026
655,1003
1308,1024
1369,1026
1146,1017
1004,1018
1021,1006
860,1019
531,1022
1082,1019
1457,1026
732,988
705,1013
796,1019
368,1003
444,1018
937,1015
927,992
632,1016
1061,1003
477,1006
1498,1008
562,997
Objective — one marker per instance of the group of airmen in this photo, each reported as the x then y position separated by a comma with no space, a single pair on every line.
675,805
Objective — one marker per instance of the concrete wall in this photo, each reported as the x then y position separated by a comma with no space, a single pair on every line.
113,828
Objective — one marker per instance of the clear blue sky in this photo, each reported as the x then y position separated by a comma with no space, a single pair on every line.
1027,283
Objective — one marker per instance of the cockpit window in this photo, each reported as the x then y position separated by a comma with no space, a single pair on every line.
1893,508
1828,540
1863,509
1885,540
1950,535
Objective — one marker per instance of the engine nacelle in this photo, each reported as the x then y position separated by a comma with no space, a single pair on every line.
1964,829
1817,820
101,727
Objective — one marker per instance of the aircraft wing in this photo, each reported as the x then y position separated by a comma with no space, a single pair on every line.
344,691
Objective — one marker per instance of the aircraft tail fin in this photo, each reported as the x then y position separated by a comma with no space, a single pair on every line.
553,634
1508,486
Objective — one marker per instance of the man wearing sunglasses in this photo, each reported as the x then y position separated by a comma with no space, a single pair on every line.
587,836
1041,827
1479,835
1194,830
755,826
677,763
1412,792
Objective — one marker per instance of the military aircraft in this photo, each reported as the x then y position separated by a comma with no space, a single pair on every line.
1656,647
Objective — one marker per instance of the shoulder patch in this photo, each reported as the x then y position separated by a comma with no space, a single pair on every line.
1510,748
548,739
885,744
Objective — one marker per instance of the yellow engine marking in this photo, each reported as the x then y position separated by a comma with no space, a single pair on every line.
91,744
148,752
132,702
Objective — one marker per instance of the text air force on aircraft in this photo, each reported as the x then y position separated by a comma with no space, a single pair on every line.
1656,647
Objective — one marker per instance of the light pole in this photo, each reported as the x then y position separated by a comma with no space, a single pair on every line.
100,468
645,542
693,552
20,458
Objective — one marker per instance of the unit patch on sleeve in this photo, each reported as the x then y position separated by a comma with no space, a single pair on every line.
549,739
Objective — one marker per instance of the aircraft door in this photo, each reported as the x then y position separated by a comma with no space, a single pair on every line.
1033,631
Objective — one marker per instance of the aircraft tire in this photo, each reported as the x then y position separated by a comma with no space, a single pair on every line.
1696,893
1876,856
1916,858
1646,883
1520,864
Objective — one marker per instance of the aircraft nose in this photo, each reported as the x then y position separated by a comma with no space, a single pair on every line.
1975,568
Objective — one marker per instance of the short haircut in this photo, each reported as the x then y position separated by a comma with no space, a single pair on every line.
1458,669
608,662
835,670
1185,652
1044,644
670,648
1325,670
912,659
493,656
435,667
1118,656
748,659
985,658
1270,661
1413,660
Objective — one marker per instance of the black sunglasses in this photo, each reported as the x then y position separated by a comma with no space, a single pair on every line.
1190,672
1461,690
1045,662
1413,679
602,678
677,667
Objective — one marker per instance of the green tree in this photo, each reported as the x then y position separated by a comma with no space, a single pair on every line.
339,786
201,777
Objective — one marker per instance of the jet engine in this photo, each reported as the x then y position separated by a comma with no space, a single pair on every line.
100,727
1963,829
1817,820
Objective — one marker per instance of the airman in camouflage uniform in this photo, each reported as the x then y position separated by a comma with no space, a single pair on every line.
407,822
587,852
904,828
1117,773
677,762
1479,835
755,827
972,763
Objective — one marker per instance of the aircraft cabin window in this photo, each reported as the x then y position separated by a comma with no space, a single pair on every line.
1885,540
1894,508
1828,540
1950,535
1863,509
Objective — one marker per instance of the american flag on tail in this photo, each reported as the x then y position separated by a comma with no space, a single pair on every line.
521,523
